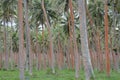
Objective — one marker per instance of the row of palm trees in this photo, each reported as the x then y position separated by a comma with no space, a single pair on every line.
60,27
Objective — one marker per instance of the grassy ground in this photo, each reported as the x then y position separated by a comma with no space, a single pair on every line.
60,75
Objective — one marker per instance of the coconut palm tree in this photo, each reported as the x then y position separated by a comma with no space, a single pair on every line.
28,38
50,38
106,39
74,40
21,40
84,41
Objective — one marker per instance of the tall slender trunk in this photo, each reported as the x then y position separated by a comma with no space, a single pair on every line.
5,46
106,39
60,54
28,40
44,61
11,46
50,38
39,60
99,52
21,40
74,41
84,41
37,51
71,52
67,51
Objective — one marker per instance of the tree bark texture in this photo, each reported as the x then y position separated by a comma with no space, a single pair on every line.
84,41
74,40
106,39
50,38
28,39
21,40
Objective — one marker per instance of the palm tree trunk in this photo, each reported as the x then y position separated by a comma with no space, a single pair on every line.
28,40
11,49
5,46
99,52
21,40
71,52
84,41
37,51
50,38
74,41
67,56
106,39
45,61
59,55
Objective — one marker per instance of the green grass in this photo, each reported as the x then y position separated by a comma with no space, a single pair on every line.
60,75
